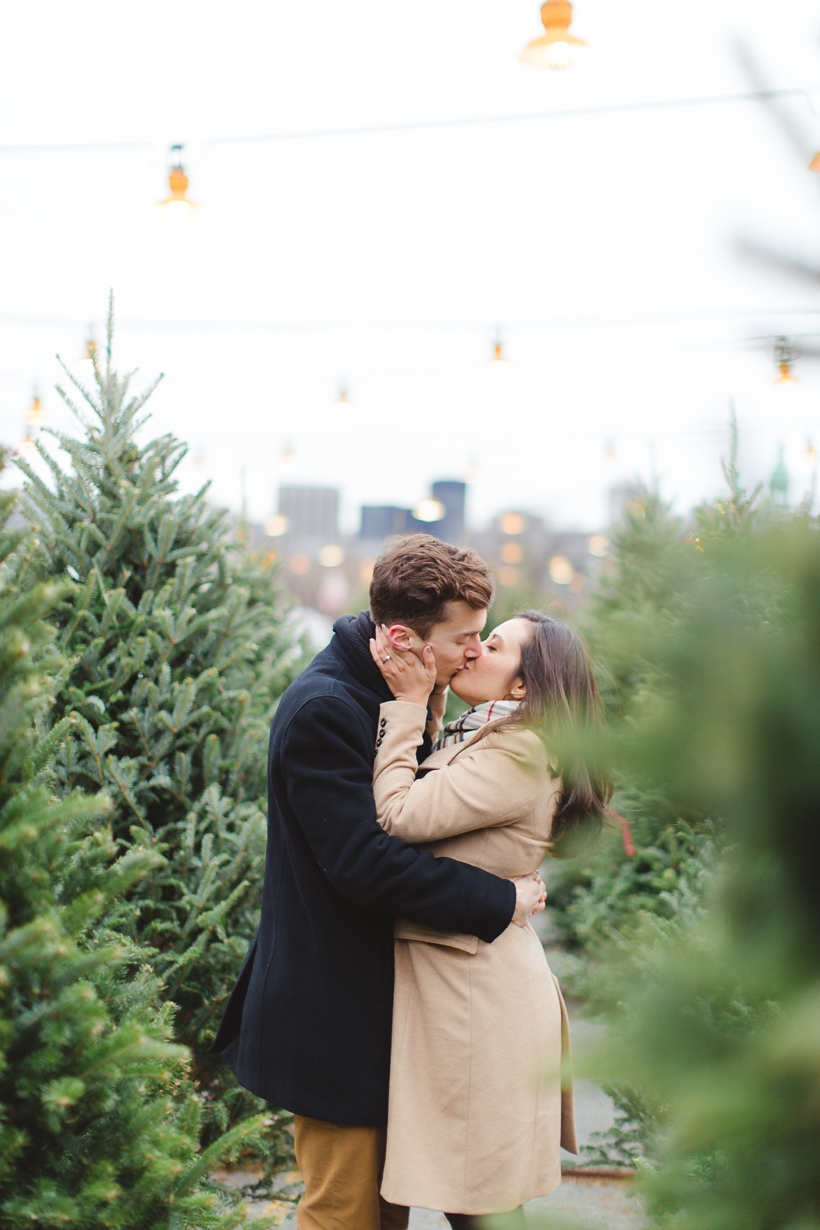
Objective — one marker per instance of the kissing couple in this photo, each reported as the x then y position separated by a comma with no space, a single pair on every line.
396,998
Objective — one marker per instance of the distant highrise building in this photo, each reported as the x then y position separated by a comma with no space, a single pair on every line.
311,512
453,495
379,521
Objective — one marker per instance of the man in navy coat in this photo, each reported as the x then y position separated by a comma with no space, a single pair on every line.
308,1025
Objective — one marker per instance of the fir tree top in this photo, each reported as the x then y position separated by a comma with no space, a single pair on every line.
178,647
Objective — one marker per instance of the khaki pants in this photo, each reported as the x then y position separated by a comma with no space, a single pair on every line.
342,1169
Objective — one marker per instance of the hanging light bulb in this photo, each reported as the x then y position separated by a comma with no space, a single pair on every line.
609,451
498,360
784,356
86,363
811,451
287,454
343,401
814,165
27,447
556,48
35,414
177,207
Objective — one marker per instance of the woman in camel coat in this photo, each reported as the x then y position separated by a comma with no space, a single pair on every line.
477,1112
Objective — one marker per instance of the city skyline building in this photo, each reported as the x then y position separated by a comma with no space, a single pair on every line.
310,512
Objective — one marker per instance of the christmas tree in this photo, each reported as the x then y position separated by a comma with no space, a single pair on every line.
717,1013
99,1122
178,646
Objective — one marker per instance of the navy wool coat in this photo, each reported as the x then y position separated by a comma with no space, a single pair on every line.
308,1024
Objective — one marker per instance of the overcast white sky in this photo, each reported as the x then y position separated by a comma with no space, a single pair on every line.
605,247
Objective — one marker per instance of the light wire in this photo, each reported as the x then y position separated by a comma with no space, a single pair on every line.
663,104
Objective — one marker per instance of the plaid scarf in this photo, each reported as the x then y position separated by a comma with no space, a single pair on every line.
464,727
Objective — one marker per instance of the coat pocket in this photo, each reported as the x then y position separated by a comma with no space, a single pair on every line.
428,935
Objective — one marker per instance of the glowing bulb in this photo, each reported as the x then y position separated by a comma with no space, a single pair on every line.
343,401
276,525
561,570
556,47
287,454
27,446
512,523
178,211
177,207
36,415
86,363
784,357
331,556
498,361
598,545
430,510
786,380
811,451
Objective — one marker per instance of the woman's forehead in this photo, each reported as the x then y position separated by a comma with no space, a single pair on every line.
511,631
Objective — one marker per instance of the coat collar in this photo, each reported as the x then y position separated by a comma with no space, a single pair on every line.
352,643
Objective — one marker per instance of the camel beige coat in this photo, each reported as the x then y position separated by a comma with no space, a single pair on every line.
480,1036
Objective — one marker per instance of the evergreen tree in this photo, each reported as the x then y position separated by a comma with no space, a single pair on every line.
98,1117
178,646
717,1016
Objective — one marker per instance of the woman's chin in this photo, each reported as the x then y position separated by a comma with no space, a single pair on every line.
466,693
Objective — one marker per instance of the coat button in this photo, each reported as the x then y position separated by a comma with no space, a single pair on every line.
383,722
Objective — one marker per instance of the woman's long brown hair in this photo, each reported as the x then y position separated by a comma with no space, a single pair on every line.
562,701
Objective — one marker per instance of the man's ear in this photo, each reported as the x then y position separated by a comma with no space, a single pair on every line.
401,636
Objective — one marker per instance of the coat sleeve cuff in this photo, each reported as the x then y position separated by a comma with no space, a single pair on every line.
498,911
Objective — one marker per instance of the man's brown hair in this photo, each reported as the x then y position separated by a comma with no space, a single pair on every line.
415,577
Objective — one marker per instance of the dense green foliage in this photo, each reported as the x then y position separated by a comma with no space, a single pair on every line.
644,597
177,646
717,1016
176,655
702,951
99,1122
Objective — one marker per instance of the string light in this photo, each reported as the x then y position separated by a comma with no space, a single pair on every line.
609,451
563,113
27,446
287,454
556,48
177,207
36,415
785,356
498,360
86,363
814,165
343,401
811,451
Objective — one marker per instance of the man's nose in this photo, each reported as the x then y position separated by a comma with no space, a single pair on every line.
473,647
